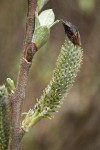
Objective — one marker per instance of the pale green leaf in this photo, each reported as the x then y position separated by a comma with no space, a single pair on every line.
41,35
47,18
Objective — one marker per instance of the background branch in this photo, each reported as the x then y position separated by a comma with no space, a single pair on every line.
17,97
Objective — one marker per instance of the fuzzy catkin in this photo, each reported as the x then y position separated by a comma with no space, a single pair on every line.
67,66
4,123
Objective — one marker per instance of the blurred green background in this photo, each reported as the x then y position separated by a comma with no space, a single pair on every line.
77,124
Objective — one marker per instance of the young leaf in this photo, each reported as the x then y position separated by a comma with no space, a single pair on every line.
10,84
41,36
41,3
47,18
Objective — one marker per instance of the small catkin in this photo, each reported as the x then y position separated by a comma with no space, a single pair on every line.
4,123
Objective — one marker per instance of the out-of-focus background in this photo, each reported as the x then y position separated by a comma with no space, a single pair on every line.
77,124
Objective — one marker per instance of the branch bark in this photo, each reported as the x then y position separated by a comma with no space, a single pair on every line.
16,98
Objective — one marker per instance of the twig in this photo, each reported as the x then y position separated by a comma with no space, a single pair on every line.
17,97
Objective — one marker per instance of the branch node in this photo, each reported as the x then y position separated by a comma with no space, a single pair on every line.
29,52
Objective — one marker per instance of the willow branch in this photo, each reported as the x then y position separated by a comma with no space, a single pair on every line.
17,97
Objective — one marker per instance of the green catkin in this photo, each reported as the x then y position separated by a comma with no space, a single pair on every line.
4,123
67,66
